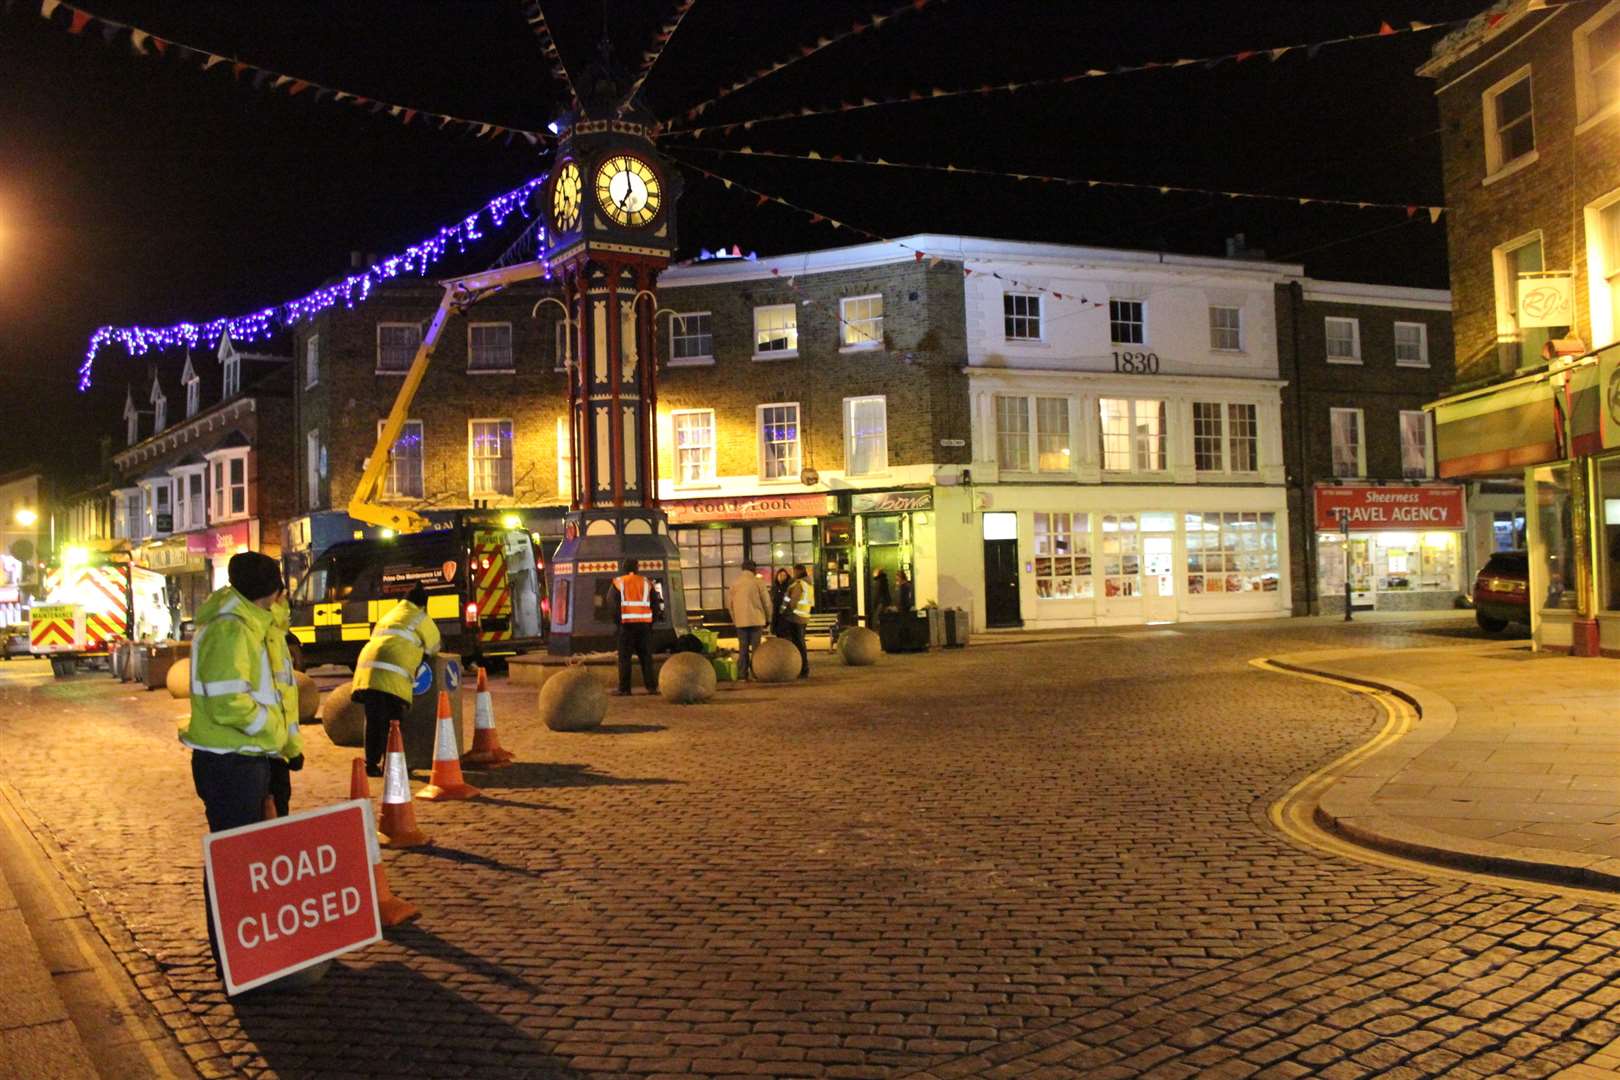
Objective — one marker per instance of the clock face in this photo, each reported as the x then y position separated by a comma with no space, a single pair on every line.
628,191
566,194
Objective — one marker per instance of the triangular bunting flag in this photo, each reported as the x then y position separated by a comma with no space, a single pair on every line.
1434,214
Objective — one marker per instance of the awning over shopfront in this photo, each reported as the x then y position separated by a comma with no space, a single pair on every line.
1500,429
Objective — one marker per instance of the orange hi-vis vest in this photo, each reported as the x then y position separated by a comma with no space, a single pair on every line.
635,598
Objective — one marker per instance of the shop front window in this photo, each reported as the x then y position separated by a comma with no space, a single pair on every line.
710,558
1556,525
1063,556
781,547
1232,552
1609,560
1121,556
1507,530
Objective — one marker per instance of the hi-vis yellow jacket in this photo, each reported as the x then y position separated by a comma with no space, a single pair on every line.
281,666
237,706
390,659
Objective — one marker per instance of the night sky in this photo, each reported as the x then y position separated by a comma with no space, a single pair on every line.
143,190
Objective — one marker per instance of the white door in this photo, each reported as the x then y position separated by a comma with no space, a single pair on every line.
1159,574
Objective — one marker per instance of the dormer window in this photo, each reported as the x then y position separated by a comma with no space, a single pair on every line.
132,421
160,408
231,362
193,385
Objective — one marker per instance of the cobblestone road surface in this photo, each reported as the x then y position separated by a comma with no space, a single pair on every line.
1020,860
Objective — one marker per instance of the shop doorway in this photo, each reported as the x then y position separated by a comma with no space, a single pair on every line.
1363,580
1001,602
1159,572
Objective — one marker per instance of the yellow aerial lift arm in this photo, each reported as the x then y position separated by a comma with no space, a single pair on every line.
459,294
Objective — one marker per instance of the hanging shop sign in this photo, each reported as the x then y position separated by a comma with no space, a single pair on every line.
1546,298
1369,508
891,502
745,508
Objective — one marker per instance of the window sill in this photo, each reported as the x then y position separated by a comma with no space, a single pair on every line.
1421,365
871,346
1137,345
492,371
392,371
1523,161
689,361
1229,352
791,354
1032,343
1597,118
1356,360
1158,476
884,475
778,481
706,485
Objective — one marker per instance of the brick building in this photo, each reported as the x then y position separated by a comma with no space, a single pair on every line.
1360,362
1529,100
206,471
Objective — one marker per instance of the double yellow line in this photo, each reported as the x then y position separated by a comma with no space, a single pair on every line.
1294,815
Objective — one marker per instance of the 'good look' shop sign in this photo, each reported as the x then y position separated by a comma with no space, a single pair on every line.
288,893
1370,508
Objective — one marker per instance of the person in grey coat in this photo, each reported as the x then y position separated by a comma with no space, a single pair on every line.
750,605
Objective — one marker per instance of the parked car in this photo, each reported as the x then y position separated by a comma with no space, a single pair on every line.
1502,591
13,642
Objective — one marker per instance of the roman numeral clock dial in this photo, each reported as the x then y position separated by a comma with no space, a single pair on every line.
628,191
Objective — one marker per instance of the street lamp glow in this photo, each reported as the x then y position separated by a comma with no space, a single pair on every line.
27,517
511,521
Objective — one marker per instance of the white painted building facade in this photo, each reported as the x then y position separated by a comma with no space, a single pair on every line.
1127,453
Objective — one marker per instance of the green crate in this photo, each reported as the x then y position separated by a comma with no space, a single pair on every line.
725,668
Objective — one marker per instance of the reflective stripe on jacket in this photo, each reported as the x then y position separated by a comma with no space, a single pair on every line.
803,598
635,599
236,707
388,662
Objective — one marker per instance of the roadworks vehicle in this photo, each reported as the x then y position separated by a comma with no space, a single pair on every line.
96,596
482,580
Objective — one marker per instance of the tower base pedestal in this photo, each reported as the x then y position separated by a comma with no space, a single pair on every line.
595,545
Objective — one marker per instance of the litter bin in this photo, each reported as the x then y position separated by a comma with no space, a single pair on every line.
160,657
904,632
957,627
420,725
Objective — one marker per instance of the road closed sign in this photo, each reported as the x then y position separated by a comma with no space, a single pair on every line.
291,892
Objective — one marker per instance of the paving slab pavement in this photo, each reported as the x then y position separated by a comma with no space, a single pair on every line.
1513,765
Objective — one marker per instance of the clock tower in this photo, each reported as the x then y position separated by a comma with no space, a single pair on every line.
610,209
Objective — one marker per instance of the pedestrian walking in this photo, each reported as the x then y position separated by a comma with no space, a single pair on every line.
779,587
801,597
385,674
239,721
750,605
905,601
879,599
634,606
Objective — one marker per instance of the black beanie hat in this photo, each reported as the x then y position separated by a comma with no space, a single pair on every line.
254,575
417,595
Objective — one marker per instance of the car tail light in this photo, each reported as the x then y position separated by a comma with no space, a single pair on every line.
471,617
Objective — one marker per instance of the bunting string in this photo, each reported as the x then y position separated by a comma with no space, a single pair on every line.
805,51
145,43
455,238
1273,53
649,57
762,198
548,46
1434,212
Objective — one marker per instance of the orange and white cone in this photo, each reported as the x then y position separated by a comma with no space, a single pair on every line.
390,908
397,828
446,781
486,749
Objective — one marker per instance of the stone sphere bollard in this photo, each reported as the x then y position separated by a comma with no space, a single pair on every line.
687,679
179,680
859,646
573,700
309,697
343,717
776,660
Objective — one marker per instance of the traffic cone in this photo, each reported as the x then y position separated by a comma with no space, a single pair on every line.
486,749
390,908
446,781
397,829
